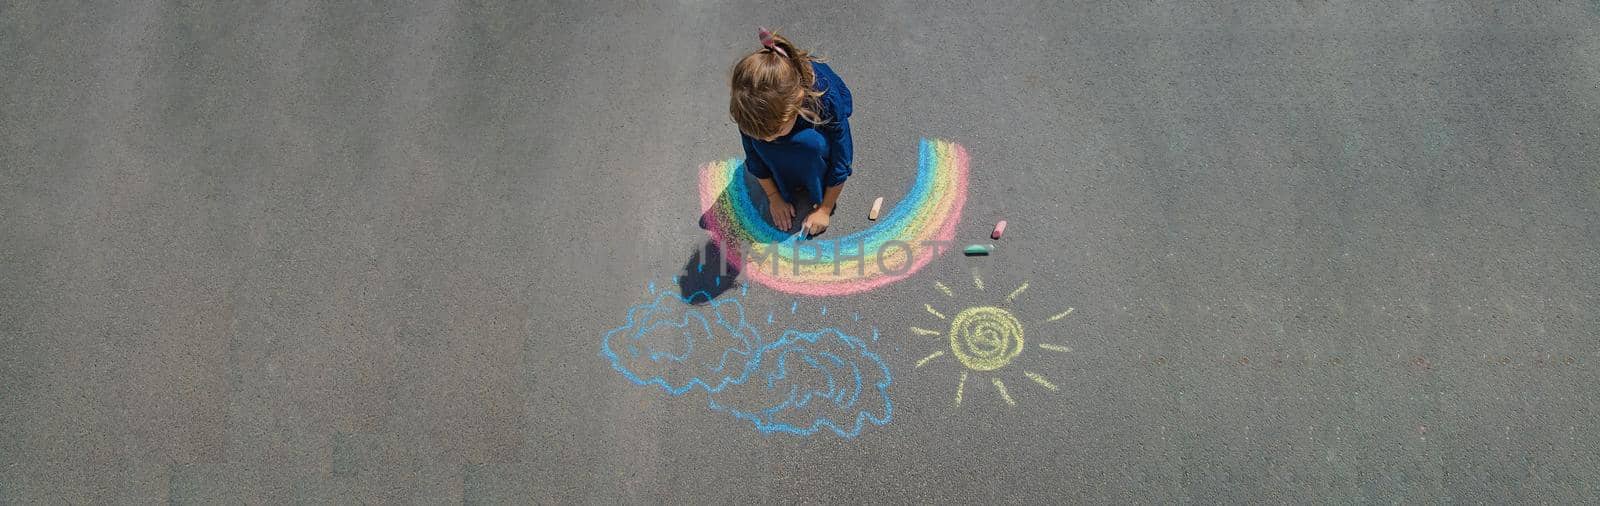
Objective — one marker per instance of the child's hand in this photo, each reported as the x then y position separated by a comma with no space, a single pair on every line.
816,222
782,213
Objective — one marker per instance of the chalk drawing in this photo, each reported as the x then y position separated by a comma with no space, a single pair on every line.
1001,387
1040,380
1014,293
986,339
857,262
801,383
961,386
1061,315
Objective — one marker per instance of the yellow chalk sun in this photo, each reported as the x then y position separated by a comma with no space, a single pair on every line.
986,339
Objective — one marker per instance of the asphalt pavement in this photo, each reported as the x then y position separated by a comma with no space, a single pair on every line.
1313,251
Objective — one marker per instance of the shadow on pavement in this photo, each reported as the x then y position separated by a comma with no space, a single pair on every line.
702,279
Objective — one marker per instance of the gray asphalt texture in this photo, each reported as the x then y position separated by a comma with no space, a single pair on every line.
365,252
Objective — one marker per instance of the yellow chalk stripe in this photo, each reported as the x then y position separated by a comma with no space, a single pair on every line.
1015,293
998,385
1062,315
961,386
1040,380
925,332
934,312
1055,347
925,360
945,289
977,281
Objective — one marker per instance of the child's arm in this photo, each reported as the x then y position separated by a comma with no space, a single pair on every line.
817,221
770,187
841,149
839,156
830,198
782,212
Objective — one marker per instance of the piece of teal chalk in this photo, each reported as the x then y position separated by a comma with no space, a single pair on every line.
979,249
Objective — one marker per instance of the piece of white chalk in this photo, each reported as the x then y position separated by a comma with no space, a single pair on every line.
999,228
876,206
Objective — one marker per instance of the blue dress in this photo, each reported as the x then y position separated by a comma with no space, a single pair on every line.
810,157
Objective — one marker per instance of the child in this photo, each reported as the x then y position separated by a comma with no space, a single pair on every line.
792,112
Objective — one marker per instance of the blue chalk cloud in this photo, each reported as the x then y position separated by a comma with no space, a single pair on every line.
801,383
676,346
809,381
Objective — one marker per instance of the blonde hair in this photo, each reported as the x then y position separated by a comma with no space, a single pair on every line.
768,89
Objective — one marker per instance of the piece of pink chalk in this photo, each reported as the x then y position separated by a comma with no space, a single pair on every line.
999,228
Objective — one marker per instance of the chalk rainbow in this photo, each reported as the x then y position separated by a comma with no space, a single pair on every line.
929,212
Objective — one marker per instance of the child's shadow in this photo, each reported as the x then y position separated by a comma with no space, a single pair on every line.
702,279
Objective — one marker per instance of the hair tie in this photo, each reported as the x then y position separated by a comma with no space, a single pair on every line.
769,42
